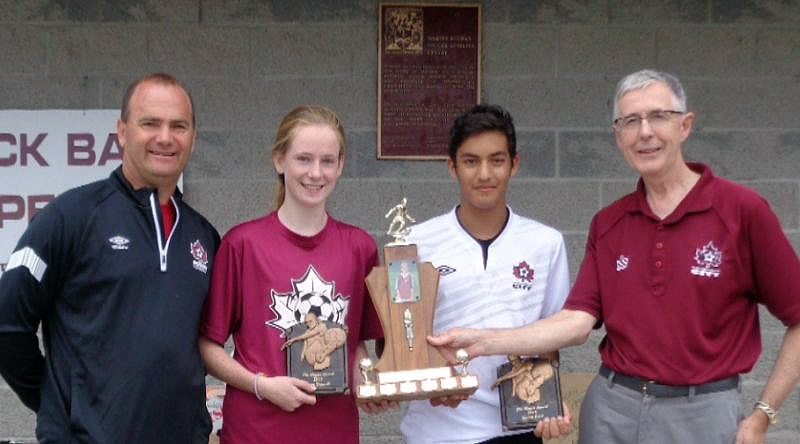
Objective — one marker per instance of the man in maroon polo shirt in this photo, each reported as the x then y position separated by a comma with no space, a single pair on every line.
676,271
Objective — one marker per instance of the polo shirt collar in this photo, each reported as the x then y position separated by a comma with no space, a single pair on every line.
700,197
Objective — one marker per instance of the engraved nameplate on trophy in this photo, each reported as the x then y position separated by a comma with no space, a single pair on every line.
404,295
317,353
530,390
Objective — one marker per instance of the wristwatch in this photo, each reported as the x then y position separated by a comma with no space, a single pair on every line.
771,413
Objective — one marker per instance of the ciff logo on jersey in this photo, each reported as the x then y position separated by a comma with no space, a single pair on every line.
523,274
310,294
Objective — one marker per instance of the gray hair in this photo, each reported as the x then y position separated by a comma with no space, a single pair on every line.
644,78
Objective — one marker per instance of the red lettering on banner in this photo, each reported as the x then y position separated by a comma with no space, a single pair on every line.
37,202
18,213
80,149
107,154
12,158
26,150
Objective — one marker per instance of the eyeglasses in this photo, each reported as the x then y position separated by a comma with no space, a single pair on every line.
657,119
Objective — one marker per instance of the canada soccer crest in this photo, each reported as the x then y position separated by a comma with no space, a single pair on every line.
310,294
708,259
199,256
524,276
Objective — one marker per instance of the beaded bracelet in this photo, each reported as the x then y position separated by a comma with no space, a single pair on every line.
255,385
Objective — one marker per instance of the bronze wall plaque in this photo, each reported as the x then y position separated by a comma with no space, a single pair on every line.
530,390
429,73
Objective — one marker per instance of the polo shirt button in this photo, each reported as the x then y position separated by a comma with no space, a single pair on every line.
659,227
658,264
659,245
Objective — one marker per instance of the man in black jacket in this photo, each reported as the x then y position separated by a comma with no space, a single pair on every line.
117,272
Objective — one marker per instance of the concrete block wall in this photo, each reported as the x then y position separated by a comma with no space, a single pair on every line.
552,63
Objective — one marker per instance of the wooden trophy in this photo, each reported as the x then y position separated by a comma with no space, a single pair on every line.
404,295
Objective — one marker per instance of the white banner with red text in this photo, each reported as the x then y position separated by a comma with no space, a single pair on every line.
44,153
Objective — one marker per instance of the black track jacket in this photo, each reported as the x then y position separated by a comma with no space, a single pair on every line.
120,307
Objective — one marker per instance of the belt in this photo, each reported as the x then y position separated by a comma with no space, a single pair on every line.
652,388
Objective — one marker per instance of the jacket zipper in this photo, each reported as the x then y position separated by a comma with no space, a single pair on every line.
163,248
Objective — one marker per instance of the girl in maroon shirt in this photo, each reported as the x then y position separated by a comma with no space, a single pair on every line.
273,271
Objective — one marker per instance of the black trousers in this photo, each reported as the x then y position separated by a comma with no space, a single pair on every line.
519,438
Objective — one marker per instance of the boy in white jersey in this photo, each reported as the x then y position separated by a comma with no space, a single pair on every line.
498,270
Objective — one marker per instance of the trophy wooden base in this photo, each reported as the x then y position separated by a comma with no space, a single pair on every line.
408,385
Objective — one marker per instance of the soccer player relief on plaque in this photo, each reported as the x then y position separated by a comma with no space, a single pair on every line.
530,390
317,353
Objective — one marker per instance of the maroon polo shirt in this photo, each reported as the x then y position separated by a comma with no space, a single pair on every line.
679,297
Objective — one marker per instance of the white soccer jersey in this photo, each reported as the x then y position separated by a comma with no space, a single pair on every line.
526,279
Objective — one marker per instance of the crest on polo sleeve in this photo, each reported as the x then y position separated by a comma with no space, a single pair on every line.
708,260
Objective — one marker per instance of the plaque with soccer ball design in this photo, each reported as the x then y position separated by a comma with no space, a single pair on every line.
404,295
530,390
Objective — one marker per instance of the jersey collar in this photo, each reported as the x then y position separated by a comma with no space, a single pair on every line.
463,232
142,195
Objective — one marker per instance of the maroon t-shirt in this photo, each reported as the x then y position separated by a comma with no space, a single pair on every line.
679,297
262,272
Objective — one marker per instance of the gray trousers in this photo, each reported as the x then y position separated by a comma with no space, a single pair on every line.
614,414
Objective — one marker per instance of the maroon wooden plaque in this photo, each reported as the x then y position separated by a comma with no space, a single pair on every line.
429,73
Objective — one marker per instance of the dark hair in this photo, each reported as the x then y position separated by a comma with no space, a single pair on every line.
160,78
480,119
